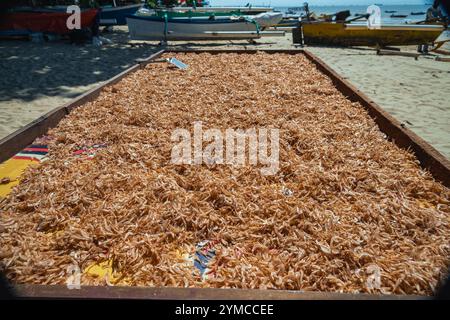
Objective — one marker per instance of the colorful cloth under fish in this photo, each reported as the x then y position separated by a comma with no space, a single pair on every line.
205,251
11,170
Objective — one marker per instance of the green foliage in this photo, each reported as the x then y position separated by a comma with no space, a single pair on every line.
171,3
152,3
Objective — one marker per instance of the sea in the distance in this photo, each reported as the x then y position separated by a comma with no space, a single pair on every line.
386,17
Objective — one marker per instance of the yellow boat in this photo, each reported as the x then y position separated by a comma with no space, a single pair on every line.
353,34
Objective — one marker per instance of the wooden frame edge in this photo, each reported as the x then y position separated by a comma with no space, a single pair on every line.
169,293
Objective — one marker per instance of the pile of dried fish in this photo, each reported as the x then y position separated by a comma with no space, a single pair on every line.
345,205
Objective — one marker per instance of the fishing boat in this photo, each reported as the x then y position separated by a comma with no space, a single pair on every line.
116,16
170,13
390,11
417,13
26,21
353,34
399,15
263,20
288,22
199,28
248,10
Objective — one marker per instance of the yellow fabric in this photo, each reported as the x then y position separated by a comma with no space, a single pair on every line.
103,270
12,169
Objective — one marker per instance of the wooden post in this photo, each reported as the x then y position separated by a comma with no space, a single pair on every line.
382,52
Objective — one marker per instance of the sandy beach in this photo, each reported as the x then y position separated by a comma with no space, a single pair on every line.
40,77
415,92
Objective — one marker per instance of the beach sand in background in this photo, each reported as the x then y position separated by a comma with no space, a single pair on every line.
40,77
415,92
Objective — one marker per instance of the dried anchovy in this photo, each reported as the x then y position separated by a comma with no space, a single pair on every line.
344,200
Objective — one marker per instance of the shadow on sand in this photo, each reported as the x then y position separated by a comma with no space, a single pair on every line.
30,70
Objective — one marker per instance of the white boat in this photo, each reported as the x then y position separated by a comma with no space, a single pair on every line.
156,28
264,19
267,19
244,10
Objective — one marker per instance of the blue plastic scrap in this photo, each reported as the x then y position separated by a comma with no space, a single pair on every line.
178,63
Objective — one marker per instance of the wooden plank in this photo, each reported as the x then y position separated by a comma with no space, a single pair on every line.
16,141
442,59
439,51
106,292
246,51
428,156
382,52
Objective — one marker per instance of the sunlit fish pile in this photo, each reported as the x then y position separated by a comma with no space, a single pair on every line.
347,210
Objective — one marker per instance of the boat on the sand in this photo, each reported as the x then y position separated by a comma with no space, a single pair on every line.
199,28
263,20
248,10
417,13
399,15
359,34
26,21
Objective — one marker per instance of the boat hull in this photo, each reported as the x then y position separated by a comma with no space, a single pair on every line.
264,20
242,10
53,22
116,16
359,35
171,14
190,29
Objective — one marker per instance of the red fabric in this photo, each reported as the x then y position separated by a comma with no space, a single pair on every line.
54,22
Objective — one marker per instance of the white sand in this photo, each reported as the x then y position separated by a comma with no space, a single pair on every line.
39,77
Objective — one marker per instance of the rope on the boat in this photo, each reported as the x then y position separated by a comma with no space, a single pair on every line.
166,25
255,23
